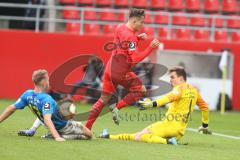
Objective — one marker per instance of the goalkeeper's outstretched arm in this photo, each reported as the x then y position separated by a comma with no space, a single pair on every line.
174,95
205,115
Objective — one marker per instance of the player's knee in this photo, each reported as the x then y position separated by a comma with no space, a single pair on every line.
144,90
140,91
139,135
87,132
89,135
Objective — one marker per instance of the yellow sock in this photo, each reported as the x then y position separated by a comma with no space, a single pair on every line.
150,138
129,137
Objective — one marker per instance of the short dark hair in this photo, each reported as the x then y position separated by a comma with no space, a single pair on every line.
180,71
134,12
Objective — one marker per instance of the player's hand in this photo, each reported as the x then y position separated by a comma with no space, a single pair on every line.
204,130
155,43
60,139
142,36
146,103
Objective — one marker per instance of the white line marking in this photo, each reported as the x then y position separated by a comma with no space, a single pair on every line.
216,134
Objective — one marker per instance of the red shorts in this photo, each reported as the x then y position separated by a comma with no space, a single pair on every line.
129,81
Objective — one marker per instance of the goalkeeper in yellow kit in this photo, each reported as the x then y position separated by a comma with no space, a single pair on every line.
183,98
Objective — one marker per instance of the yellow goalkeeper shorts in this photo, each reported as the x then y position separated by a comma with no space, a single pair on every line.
165,129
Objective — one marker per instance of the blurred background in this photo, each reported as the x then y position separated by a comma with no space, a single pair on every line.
200,35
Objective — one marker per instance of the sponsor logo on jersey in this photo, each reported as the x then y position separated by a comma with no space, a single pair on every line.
46,106
132,46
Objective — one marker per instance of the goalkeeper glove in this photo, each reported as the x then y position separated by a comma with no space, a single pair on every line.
204,129
147,103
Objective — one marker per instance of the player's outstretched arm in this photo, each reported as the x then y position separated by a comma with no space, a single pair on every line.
174,95
48,122
147,103
7,112
205,115
138,57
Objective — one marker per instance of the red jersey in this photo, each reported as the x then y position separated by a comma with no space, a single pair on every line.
126,54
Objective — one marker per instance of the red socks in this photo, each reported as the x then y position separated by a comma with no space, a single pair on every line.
129,99
95,111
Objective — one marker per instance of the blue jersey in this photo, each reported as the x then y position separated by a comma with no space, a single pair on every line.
41,104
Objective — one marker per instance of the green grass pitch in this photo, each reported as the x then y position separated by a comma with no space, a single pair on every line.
197,146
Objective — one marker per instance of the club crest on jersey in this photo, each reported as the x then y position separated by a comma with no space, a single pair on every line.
132,46
46,106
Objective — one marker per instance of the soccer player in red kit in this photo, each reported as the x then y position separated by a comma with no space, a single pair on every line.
118,69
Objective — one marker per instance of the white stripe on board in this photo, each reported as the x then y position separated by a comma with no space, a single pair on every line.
216,134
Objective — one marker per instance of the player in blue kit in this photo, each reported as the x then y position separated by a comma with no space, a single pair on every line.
47,110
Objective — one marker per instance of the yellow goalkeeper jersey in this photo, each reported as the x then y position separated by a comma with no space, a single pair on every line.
183,98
